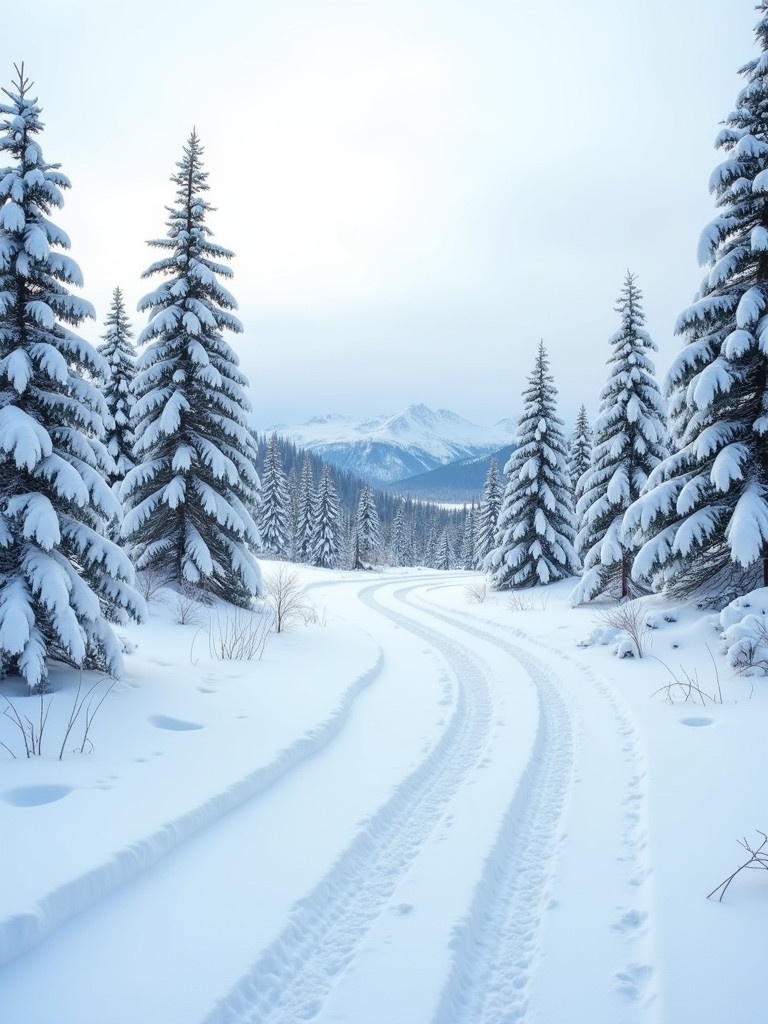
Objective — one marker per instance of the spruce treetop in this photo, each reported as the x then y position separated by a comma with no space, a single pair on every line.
62,581
194,266
703,522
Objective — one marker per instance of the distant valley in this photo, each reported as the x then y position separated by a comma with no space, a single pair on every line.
391,451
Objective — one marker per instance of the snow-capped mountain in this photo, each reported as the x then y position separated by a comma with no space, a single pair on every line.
389,448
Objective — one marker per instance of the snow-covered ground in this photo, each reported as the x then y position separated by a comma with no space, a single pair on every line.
416,808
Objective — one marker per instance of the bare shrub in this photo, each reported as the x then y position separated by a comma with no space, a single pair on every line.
87,704
238,634
686,686
84,709
286,596
187,606
520,601
32,731
758,859
149,583
629,617
477,591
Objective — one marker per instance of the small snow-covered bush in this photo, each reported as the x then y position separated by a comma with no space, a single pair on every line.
602,636
632,630
617,639
744,637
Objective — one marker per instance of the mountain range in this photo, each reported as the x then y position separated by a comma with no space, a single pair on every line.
389,449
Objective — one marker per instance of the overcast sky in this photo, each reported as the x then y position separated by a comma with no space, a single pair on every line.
416,190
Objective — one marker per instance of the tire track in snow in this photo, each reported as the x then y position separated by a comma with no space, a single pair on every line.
501,934
496,945
291,978
21,932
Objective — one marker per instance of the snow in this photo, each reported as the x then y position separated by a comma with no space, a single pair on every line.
431,437
412,808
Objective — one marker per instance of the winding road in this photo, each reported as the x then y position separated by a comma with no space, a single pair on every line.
449,885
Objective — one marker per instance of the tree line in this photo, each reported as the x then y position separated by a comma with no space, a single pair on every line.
112,462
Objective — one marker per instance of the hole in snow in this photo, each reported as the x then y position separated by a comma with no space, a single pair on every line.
34,796
696,721
174,724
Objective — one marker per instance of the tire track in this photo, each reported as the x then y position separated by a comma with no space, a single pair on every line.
291,978
496,946
475,992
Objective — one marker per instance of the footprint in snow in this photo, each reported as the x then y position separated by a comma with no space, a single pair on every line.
174,724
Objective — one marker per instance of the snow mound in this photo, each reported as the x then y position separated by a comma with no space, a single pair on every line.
744,640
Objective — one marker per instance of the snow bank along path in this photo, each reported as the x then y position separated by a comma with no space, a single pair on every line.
476,811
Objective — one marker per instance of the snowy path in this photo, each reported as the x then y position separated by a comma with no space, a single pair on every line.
433,872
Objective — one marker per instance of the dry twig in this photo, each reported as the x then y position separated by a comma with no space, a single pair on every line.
758,859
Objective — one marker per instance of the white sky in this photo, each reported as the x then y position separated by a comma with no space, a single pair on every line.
416,190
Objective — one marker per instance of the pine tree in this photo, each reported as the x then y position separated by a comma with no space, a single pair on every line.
118,350
274,513
534,536
629,442
432,533
327,531
367,528
579,451
399,537
444,557
703,521
305,514
468,538
61,581
488,515
187,500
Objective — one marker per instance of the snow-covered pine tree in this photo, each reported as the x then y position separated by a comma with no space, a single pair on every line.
444,557
327,527
468,538
118,351
187,501
367,528
274,513
534,535
61,581
629,442
399,539
579,451
703,521
432,533
305,518
488,515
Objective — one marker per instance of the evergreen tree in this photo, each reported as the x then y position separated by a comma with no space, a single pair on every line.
488,515
274,513
187,500
60,579
305,526
367,528
432,533
444,557
579,451
534,537
118,350
629,442
468,538
703,521
327,532
399,537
